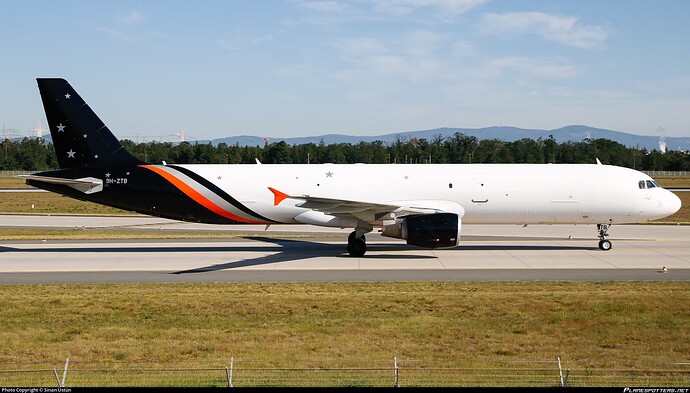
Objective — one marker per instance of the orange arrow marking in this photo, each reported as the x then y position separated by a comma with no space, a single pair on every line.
278,196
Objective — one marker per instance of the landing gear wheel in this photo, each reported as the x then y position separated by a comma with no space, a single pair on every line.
351,237
356,247
604,245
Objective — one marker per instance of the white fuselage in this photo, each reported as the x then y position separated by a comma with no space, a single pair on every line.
488,193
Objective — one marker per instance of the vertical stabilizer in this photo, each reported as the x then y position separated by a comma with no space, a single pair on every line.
80,138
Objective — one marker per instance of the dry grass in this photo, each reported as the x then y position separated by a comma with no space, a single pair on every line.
7,181
51,203
673,181
594,324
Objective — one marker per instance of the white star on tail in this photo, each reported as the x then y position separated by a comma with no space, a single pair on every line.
71,153
67,96
61,128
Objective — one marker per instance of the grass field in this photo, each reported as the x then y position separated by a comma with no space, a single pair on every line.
7,181
673,181
51,203
596,324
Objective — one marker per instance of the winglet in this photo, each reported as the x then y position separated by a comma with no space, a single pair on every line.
278,196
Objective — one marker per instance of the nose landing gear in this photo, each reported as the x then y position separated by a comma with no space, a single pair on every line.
604,244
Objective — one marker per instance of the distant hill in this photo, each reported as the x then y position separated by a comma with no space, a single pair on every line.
575,133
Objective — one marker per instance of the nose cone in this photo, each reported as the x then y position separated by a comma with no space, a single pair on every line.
671,203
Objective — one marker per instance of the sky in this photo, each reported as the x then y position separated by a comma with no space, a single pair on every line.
288,68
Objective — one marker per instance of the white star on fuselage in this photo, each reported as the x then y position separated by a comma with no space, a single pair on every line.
67,96
70,153
61,128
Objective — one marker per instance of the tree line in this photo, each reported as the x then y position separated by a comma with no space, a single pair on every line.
31,154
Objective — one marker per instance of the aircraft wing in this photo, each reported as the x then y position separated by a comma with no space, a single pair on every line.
370,211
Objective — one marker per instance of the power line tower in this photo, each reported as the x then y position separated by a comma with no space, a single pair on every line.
183,135
39,130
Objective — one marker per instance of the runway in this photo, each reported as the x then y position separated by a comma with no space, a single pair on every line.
486,253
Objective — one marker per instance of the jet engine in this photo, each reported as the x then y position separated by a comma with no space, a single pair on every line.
439,230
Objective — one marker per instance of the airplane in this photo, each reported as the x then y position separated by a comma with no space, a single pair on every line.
423,204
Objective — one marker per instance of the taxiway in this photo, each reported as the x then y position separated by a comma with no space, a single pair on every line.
486,253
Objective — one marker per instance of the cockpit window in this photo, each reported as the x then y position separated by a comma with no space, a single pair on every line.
645,184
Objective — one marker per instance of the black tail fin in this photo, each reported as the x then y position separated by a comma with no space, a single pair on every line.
80,138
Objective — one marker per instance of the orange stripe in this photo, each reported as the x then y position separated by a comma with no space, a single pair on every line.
278,196
198,198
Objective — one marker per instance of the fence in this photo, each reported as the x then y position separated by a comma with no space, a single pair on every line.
15,173
668,173
335,373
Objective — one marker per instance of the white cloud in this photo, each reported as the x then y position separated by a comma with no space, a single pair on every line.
563,29
543,68
414,56
391,7
360,46
116,34
133,17
244,41
229,45
422,42
448,7
462,48
326,6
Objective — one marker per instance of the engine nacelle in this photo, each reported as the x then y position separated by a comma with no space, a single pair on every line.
439,230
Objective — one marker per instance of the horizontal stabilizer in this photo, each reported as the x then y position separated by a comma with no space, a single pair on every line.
87,185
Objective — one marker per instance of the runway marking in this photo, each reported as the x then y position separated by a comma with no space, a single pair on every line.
434,252
518,259
602,260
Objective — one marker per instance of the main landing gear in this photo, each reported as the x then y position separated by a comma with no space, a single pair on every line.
604,244
356,244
